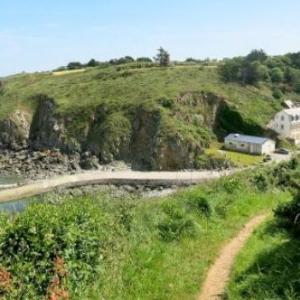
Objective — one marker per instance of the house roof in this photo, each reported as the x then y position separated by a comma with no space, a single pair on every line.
292,111
246,138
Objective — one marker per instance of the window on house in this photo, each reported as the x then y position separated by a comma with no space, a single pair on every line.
282,118
242,145
282,127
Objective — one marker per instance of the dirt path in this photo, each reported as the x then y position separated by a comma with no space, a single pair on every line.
219,273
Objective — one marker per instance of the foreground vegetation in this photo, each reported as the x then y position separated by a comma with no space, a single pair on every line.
268,267
80,248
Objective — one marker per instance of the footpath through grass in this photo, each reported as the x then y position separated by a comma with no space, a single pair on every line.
172,242
268,267
98,246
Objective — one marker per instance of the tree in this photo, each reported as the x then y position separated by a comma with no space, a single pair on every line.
122,60
193,60
74,65
251,73
296,81
163,57
277,75
144,59
92,63
257,55
229,71
262,72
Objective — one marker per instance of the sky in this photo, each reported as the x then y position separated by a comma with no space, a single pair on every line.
37,35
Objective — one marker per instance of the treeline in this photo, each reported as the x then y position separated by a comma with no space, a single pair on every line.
162,59
75,65
281,71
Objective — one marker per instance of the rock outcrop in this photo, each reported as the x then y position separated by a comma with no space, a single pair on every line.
15,130
154,137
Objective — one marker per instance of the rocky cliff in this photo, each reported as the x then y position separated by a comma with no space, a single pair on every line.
168,135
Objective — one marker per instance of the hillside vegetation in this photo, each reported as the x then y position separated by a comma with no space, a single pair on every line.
154,117
123,248
268,267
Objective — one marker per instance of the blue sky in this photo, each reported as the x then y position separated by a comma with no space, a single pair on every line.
44,34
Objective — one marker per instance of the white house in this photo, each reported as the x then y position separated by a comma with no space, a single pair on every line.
249,144
287,124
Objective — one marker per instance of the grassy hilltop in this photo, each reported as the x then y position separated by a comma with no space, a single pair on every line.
116,112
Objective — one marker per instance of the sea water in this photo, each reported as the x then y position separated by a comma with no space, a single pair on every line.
13,206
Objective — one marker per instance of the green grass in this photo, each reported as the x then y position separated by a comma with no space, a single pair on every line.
237,158
123,87
150,249
181,109
268,267
149,267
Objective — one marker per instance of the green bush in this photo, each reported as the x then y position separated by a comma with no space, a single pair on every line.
277,75
52,247
277,93
176,224
261,182
166,103
232,185
289,214
201,205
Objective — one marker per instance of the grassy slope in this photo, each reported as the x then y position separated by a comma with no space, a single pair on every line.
124,86
152,249
268,267
148,267
239,159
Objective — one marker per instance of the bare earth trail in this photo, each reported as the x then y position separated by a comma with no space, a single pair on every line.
118,177
218,275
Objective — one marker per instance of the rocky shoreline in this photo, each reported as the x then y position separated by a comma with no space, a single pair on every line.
34,165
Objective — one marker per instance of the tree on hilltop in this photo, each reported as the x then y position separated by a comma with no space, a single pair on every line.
163,57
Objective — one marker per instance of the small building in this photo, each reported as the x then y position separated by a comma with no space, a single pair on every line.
249,144
287,124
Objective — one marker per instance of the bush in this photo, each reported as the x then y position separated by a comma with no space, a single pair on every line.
277,75
261,182
74,65
277,93
200,205
166,103
289,214
175,224
49,249
231,185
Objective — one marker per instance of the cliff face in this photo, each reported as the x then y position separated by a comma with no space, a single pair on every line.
14,131
165,136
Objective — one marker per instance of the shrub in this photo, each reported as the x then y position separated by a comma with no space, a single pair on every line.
176,224
231,185
200,205
166,103
261,182
277,75
47,243
277,93
288,215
